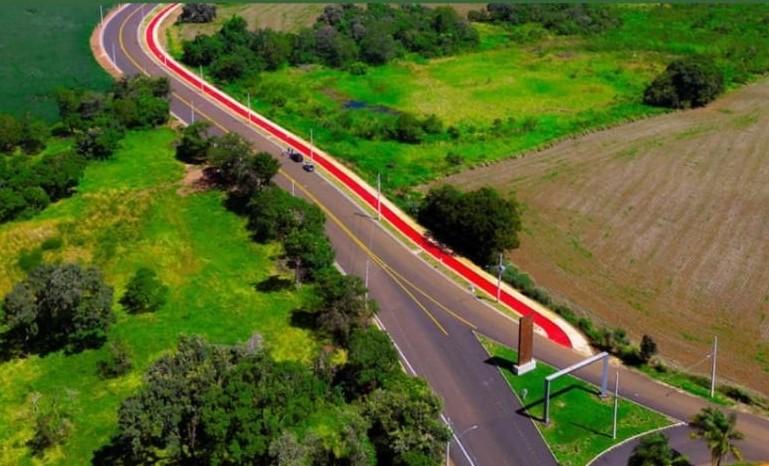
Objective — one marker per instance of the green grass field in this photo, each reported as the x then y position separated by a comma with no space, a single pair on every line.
580,422
129,213
524,88
45,46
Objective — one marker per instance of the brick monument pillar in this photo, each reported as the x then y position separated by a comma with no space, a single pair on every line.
526,360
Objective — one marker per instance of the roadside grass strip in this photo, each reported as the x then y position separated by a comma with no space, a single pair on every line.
580,422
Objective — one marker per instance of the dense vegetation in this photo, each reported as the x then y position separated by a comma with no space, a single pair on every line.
563,18
479,224
144,292
56,307
343,36
686,83
654,449
96,121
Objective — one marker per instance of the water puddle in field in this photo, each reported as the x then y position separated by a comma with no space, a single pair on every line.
360,105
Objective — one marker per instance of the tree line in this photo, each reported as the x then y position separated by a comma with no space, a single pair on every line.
96,122
343,36
560,18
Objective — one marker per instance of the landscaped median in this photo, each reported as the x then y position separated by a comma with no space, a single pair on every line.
580,425
555,328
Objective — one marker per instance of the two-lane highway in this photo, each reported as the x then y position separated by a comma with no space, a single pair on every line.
429,317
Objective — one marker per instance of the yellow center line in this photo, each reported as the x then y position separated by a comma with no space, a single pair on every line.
399,279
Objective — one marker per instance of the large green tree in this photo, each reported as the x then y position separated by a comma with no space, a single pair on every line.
242,170
479,224
273,214
343,305
57,306
719,431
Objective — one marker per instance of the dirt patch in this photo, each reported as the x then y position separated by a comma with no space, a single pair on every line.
660,226
195,180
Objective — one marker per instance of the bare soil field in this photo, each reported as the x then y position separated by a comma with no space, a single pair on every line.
659,226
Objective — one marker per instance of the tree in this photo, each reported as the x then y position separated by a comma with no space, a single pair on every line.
654,450
144,292
197,13
117,362
408,129
687,82
648,349
58,306
479,224
229,67
371,360
719,431
98,142
10,133
202,50
377,45
309,251
343,306
244,172
405,424
194,143
165,416
273,214
33,134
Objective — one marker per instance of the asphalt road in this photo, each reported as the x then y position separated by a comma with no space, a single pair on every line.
430,318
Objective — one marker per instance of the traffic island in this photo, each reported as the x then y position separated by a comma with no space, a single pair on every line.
580,424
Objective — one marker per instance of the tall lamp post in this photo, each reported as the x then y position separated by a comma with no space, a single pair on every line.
501,269
457,437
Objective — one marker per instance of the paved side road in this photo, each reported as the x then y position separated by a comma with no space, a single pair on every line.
428,316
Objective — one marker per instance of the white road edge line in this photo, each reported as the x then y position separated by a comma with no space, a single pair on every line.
613,447
411,369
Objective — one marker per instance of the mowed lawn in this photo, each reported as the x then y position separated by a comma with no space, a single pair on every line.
44,46
129,213
580,421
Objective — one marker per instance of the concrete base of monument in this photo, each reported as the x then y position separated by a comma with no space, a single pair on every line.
524,368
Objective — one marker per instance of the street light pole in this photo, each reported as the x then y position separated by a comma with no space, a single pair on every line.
713,367
101,14
616,406
499,278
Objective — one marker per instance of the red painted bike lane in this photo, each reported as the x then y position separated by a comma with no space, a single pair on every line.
553,331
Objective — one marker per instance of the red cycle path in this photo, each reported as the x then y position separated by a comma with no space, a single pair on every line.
553,331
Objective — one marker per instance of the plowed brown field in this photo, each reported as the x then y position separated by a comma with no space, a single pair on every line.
660,226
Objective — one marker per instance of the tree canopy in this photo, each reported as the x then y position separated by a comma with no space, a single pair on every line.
686,83
479,224
57,307
654,450
719,431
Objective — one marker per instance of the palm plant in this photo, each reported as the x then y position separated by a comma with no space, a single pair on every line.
719,431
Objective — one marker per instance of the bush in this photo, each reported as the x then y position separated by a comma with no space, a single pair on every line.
98,143
117,363
685,83
454,159
30,259
194,144
52,427
144,292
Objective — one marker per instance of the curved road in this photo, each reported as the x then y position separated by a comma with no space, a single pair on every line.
430,318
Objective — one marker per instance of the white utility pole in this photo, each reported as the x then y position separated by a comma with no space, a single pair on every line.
293,188
312,144
616,406
101,14
713,368
202,85
378,196
192,110
499,278
114,61
248,99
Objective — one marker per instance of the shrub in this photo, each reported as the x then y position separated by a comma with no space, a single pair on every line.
452,158
52,244
52,427
685,83
144,292
117,363
648,349
30,259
